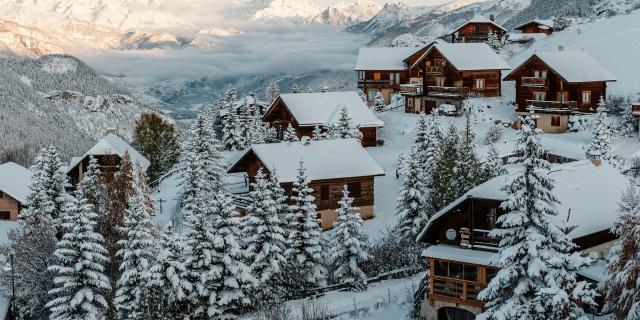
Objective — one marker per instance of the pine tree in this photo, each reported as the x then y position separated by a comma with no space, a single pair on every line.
427,142
290,134
258,133
79,274
537,276
157,140
623,262
231,131
305,239
136,252
493,166
349,245
494,42
234,281
600,146
93,187
46,198
412,207
344,128
467,166
266,243
441,184
318,134
273,91
378,102
230,98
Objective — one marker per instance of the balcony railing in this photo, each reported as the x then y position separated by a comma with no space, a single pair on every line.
534,82
411,89
447,91
456,288
434,70
552,104
376,83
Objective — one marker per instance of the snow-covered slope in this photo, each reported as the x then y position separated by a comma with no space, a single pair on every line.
347,13
392,14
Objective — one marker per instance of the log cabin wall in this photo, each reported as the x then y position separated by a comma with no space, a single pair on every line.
384,81
9,207
535,28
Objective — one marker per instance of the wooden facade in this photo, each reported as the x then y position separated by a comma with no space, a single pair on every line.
535,27
280,117
476,32
327,192
9,207
385,82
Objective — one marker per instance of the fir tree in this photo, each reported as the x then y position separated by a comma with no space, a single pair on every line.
266,241
378,102
537,275
232,131
80,279
441,184
493,166
92,185
426,141
290,134
318,134
349,245
494,42
305,239
412,208
230,98
157,140
273,91
623,262
467,166
136,252
600,146
344,128
258,133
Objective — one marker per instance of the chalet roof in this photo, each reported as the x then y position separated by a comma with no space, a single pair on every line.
323,108
108,145
457,253
384,59
15,180
471,56
541,22
327,159
589,192
572,66
478,19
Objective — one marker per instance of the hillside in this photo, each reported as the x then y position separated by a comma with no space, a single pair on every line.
58,100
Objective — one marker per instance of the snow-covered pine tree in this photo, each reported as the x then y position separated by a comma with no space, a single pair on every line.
378,102
80,281
349,245
136,252
231,131
46,199
623,262
601,140
318,134
266,243
167,281
493,40
629,122
442,189
273,91
257,132
492,167
305,238
412,208
93,186
344,128
467,165
230,98
427,141
537,275
234,282
290,134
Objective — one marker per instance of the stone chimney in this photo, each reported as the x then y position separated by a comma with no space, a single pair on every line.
109,131
596,162
492,17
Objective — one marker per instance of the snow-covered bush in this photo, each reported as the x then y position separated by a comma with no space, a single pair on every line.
378,102
392,252
313,309
274,310
494,134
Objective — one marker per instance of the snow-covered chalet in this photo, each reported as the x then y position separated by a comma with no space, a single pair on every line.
329,164
477,29
14,188
305,111
459,253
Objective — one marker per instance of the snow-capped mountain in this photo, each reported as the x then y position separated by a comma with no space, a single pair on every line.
347,13
277,9
392,14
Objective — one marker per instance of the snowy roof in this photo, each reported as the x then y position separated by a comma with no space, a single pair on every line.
391,59
112,144
471,56
542,22
589,192
457,253
323,108
327,159
596,272
573,66
15,180
478,19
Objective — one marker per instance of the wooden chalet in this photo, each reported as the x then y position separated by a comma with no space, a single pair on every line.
14,189
109,152
477,30
382,70
446,73
556,84
460,250
305,111
329,164
536,26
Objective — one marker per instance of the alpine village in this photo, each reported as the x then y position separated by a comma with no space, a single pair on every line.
445,184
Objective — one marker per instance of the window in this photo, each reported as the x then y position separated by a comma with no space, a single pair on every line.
555,121
371,95
377,76
470,273
540,74
563,96
457,83
439,81
5,215
586,96
491,273
410,102
440,62
479,83
355,189
492,217
456,270
397,77
441,268
539,96
324,192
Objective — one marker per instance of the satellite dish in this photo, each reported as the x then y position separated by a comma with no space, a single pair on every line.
451,234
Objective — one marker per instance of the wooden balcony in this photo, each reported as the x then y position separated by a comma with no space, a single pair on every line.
434,70
377,83
454,92
481,238
534,82
455,289
411,89
564,105
635,109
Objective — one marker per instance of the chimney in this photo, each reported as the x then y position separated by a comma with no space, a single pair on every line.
560,48
109,131
596,162
492,17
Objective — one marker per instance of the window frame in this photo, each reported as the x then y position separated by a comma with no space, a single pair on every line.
586,93
479,81
5,215
537,94
555,121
